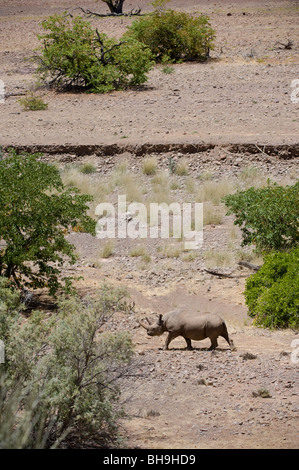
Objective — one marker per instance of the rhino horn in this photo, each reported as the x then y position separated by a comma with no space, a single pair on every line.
144,325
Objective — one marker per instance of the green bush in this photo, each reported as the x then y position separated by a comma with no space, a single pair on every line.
60,381
36,214
32,102
174,36
73,54
268,217
272,294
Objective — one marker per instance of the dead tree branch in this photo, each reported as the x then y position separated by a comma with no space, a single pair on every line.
217,273
245,264
90,13
288,45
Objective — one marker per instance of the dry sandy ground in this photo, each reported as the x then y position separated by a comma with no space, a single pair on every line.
198,399
182,399
242,95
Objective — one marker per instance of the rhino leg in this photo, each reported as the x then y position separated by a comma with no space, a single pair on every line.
189,345
169,338
214,343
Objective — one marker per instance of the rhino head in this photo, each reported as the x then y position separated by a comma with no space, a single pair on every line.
154,329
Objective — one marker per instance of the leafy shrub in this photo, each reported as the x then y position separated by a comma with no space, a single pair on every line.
36,213
73,54
60,386
9,306
32,102
268,217
272,294
174,36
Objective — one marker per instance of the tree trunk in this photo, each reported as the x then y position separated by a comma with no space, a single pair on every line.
115,6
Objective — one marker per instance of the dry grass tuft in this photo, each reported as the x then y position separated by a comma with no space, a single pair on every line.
214,191
149,167
219,259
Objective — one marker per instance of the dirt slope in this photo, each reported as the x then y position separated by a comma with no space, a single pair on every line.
242,95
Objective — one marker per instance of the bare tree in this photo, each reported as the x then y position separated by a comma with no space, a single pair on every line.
115,6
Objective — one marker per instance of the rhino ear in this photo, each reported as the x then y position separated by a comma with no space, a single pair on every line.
160,321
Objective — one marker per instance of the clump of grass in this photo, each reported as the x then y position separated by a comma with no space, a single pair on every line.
172,251
73,176
214,191
108,249
190,186
168,70
152,413
251,176
174,185
149,166
249,172
160,179
96,187
205,176
190,256
182,168
233,233
249,256
212,214
220,259
141,252
160,188
123,179
138,251
262,392
122,167
146,258
87,168
32,102
248,356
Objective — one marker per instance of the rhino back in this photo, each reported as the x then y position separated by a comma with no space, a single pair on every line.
193,325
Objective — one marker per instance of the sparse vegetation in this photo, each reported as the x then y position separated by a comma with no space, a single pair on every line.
59,384
262,392
149,166
108,249
219,259
172,251
182,168
87,168
32,102
212,214
75,55
214,191
172,35
141,251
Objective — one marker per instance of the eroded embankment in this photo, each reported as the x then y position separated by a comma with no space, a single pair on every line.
282,151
